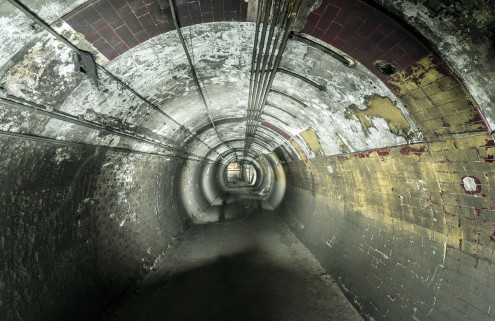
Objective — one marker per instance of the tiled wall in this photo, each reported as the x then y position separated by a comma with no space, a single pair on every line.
115,26
365,33
399,230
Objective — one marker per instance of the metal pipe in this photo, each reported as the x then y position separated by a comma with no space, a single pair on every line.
191,65
266,11
347,61
269,104
277,61
272,53
268,51
32,107
79,144
281,93
300,77
253,57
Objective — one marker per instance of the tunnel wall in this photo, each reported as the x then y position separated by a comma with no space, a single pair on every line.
79,224
199,188
398,230
407,231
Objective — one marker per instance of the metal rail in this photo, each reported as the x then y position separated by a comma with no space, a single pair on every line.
347,61
79,144
191,65
281,93
300,77
88,57
266,60
48,111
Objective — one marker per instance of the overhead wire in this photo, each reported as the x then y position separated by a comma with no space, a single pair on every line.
267,54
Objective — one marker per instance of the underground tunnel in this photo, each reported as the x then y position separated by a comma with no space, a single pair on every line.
247,160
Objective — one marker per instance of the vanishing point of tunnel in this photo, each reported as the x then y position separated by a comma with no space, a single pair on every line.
291,160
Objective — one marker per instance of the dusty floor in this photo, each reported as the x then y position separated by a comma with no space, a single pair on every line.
252,268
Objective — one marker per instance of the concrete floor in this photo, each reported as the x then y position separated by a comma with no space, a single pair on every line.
250,268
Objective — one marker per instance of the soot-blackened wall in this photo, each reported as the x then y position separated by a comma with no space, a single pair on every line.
79,225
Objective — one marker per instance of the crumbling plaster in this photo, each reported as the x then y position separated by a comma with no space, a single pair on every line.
463,34
158,70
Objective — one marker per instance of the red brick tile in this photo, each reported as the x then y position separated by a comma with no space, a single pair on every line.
182,10
207,17
350,28
362,11
195,12
345,11
142,36
126,35
105,49
205,5
110,36
163,4
376,36
338,3
391,39
228,5
106,11
79,24
149,25
337,42
165,27
117,23
121,48
92,37
365,45
157,13
217,10
130,20
357,54
393,54
100,25
405,61
370,24
388,26
117,4
89,14
138,7
311,23
414,47
184,21
318,33
71,14
351,43
327,17
229,16
332,32
321,8
372,55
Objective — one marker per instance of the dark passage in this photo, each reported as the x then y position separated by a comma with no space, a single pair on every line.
249,268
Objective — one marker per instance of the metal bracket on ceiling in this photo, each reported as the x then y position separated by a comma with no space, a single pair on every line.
85,63
316,43
281,93
84,58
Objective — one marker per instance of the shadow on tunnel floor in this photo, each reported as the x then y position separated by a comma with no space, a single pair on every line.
251,270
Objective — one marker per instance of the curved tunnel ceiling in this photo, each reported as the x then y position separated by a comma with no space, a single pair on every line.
353,108
378,130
